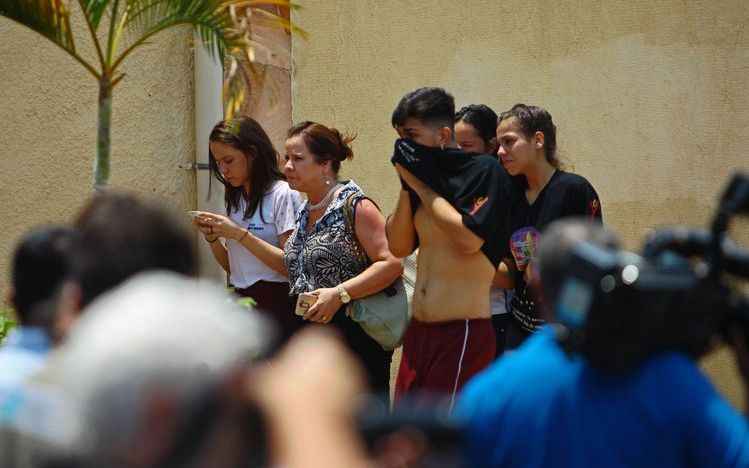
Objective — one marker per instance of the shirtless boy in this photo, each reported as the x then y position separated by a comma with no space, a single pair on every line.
451,337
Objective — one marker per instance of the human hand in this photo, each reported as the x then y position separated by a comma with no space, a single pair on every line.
409,179
325,307
313,373
204,229
212,224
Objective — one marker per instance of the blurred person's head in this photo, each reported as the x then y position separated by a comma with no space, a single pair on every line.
149,374
243,159
476,129
427,116
554,254
626,325
41,263
119,235
122,234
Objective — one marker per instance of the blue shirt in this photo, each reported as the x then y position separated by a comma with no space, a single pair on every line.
23,353
538,407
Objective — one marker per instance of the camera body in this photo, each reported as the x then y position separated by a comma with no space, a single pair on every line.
618,308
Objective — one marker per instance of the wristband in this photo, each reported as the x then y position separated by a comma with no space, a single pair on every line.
210,241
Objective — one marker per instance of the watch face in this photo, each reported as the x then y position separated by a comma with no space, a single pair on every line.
345,298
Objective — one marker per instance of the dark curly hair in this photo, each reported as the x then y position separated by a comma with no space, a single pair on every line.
482,118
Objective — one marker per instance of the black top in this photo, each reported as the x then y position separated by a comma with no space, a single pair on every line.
476,185
563,196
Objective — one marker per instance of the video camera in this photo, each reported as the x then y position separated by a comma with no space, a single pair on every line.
617,308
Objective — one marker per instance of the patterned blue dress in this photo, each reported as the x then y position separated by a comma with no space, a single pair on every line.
325,257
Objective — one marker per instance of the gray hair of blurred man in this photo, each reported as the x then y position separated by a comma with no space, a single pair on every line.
554,249
158,335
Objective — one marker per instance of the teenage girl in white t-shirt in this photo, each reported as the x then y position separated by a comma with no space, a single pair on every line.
261,213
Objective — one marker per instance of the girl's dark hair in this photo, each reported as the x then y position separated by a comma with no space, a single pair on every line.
246,135
482,118
534,119
326,144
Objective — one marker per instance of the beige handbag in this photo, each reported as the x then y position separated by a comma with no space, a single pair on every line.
385,315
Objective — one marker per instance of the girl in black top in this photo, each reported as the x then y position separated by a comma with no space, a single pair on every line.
527,149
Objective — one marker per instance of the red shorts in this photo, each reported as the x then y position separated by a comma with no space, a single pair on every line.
438,358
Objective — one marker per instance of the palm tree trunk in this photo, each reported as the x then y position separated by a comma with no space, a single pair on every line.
103,143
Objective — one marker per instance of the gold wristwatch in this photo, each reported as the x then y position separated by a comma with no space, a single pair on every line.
343,295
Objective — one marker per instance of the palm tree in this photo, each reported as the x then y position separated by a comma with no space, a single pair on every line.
222,25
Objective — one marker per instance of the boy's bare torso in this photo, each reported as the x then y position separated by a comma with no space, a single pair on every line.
450,285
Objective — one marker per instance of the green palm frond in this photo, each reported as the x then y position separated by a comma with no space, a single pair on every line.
210,19
224,28
94,10
278,21
261,3
49,18
239,75
240,70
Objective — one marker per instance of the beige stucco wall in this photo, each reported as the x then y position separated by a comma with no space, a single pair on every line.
48,113
649,97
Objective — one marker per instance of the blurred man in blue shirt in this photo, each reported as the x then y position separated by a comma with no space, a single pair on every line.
543,407
40,265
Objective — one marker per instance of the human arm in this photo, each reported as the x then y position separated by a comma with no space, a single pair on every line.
503,277
445,216
269,254
400,230
369,227
312,433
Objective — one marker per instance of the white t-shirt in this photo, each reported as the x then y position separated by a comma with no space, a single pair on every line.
498,299
280,206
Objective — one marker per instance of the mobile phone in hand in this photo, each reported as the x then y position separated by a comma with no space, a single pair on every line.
304,302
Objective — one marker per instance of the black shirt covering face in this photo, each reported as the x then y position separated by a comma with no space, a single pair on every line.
476,185
565,195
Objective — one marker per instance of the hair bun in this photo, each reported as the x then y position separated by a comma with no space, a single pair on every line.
344,144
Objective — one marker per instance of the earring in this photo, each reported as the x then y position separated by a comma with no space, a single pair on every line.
442,147
327,181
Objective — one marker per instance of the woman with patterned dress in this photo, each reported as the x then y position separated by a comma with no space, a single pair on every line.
328,257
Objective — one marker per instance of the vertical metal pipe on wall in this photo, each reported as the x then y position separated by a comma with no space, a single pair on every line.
208,111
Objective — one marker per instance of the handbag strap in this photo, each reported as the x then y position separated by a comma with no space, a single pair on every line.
349,214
